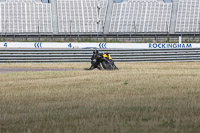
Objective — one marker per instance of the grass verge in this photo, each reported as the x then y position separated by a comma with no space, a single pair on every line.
139,98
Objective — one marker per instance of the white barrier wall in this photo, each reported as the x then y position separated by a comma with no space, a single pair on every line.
98,45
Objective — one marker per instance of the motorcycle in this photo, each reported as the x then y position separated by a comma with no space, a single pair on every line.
104,60
108,64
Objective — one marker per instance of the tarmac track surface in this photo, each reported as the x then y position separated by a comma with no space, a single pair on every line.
13,70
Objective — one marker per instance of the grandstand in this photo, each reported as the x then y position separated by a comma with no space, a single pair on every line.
25,16
91,17
141,16
188,18
81,15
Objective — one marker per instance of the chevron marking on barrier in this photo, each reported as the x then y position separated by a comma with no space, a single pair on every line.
38,45
102,45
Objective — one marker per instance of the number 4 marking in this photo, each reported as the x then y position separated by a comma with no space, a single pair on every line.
70,45
5,45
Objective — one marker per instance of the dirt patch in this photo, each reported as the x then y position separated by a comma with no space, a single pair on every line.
11,70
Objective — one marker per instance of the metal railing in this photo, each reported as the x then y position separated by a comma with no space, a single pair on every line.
84,55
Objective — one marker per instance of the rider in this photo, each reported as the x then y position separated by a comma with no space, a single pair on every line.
95,61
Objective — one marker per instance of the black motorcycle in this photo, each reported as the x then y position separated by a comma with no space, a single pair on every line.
98,60
108,64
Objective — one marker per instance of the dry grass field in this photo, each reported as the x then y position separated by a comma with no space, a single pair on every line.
139,98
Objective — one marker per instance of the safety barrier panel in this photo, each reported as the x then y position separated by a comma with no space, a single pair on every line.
40,55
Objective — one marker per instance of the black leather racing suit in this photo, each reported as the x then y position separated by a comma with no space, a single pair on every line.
95,61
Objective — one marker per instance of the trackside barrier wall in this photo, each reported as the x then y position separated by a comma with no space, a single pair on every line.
149,53
100,45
